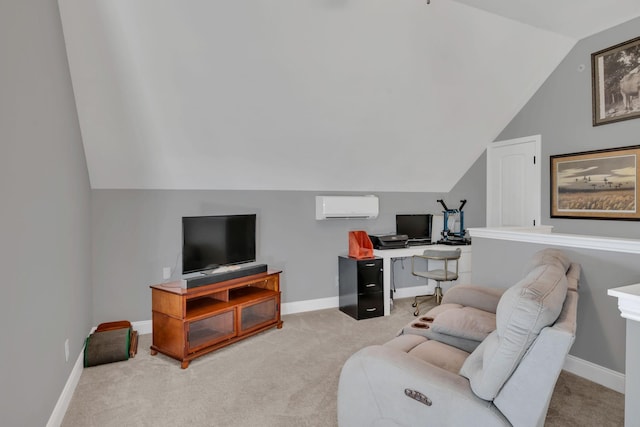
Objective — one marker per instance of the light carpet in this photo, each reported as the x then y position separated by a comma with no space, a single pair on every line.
279,378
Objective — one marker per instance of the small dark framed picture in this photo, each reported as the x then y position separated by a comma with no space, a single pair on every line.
600,184
615,73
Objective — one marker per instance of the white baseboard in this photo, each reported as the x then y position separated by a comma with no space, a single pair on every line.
67,393
596,373
334,302
143,327
309,305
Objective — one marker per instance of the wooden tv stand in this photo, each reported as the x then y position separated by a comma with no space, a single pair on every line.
188,323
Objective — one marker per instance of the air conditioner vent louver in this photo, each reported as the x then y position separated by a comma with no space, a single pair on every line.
328,207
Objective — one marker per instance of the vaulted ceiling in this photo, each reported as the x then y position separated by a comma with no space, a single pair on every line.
324,95
573,18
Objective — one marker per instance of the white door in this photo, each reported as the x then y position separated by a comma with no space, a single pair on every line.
513,182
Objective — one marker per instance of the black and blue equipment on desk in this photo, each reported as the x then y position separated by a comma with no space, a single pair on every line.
449,236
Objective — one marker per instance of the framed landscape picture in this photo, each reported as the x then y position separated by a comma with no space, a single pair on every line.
615,74
600,184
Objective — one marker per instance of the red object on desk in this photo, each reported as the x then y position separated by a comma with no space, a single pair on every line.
360,246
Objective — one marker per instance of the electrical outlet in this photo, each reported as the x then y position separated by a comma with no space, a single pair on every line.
66,350
166,272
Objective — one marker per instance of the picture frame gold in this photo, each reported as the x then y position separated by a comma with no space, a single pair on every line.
600,184
615,75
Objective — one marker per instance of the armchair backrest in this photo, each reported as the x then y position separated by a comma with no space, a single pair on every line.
525,396
523,310
517,365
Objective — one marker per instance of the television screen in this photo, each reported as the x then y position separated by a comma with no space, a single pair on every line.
209,242
417,226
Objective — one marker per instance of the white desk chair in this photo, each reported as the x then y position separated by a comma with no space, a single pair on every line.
439,275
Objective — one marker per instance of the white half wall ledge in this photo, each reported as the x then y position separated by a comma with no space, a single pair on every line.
628,301
542,235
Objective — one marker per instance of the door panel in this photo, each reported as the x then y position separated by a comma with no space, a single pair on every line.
513,183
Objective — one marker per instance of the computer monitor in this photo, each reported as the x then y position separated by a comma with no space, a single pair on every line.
415,226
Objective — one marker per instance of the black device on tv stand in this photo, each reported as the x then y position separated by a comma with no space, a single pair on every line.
208,279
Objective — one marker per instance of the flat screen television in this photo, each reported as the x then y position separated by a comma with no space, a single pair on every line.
415,226
209,242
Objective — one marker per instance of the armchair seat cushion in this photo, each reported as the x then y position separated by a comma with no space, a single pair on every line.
466,322
405,342
441,355
434,352
461,327
479,297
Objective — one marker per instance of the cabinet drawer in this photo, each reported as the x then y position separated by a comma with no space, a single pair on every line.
211,330
369,271
369,288
370,305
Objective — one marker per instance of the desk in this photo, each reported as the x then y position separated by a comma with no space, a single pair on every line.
387,255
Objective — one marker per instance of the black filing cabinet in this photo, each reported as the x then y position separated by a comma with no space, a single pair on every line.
360,282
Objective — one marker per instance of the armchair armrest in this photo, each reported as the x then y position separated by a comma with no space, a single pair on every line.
480,297
382,385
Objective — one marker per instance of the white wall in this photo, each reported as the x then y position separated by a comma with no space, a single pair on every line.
330,95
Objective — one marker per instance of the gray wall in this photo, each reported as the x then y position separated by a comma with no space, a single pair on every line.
561,112
600,337
135,233
45,212
470,187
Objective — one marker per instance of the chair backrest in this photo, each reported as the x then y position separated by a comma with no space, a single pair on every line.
446,255
438,254
439,274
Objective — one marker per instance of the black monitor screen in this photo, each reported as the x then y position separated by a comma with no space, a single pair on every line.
209,242
416,226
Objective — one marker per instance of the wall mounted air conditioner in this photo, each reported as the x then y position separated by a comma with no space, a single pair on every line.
346,207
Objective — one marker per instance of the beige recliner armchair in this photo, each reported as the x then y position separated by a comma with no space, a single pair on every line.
484,357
